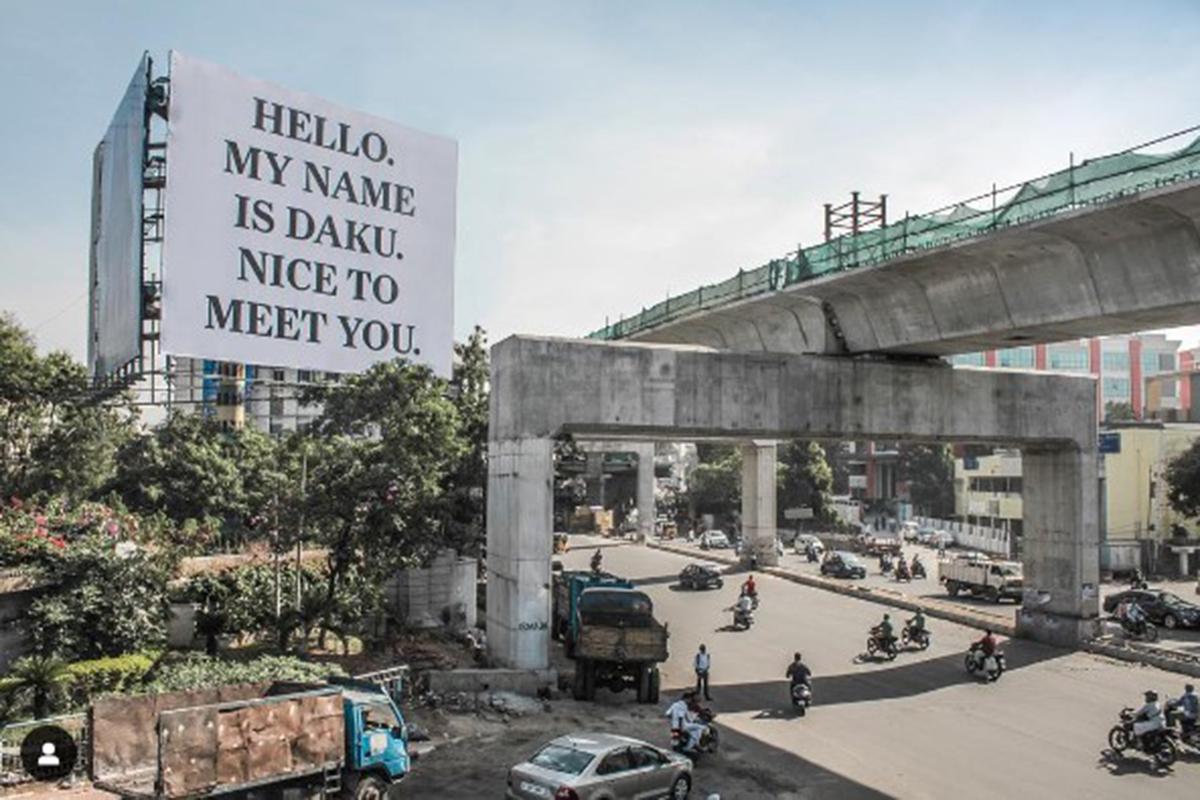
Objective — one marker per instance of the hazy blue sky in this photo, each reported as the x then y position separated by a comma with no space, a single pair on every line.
610,152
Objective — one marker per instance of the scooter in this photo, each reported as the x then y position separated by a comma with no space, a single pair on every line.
742,620
710,737
990,667
801,697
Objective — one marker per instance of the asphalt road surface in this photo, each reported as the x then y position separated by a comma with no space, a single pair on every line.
918,727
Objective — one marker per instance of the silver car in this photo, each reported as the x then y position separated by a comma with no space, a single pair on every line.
600,766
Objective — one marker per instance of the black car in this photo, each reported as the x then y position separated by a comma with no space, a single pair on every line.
1163,608
699,576
841,564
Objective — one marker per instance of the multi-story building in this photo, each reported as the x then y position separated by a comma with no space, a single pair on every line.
987,490
235,395
1121,363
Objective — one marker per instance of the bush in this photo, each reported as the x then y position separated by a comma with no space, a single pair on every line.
90,679
205,672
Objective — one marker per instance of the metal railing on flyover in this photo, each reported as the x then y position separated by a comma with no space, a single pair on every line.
1089,183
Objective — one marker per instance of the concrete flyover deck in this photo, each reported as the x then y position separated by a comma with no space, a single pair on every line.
543,388
1128,265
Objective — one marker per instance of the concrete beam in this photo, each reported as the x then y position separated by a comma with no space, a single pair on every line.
544,387
1128,265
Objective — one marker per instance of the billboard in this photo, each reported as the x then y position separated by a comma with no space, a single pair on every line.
115,259
300,233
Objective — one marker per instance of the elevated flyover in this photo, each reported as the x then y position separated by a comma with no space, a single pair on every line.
1110,245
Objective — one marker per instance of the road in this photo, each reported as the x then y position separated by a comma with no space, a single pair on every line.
918,727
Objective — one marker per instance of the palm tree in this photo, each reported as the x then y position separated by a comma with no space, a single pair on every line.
44,677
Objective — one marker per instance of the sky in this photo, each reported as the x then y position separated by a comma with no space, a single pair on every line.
613,152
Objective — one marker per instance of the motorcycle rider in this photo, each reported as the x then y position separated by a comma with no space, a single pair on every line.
902,573
1136,579
918,568
883,632
597,560
1189,706
810,552
984,647
1135,617
885,563
798,673
683,720
1149,717
916,625
743,608
749,588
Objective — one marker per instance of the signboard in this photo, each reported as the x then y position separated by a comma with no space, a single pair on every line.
858,481
1110,443
803,512
115,252
301,233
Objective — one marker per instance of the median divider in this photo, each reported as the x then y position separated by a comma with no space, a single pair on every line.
887,597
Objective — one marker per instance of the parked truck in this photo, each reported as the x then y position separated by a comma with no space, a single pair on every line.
345,737
994,580
609,628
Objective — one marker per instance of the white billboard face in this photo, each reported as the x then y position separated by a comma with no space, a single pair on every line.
115,290
300,233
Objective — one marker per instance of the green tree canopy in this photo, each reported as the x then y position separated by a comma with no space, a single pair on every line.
805,479
1183,481
929,471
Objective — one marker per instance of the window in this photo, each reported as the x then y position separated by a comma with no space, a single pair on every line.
1072,360
969,360
333,377
614,762
277,375
304,376
565,760
1166,362
1016,357
1115,389
1117,362
276,406
646,757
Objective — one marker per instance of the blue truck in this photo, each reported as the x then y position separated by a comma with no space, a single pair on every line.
607,626
343,738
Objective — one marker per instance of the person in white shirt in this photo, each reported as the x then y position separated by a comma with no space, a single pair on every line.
684,721
703,662
1149,717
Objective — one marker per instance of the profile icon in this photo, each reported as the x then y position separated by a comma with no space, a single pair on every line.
49,757
48,753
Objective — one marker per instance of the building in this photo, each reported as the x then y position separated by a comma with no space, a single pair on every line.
235,395
987,490
1121,363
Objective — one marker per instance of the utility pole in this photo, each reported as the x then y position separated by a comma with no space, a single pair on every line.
300,533
278,561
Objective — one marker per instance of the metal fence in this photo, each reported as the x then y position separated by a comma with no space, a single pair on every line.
12,771
1089,183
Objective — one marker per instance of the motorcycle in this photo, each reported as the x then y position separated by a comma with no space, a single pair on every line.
1160,744
918,570
742,620
1144,630
753,600
915,638
710,737
801,697
888,648
1175,720
990,667
902,573
885,565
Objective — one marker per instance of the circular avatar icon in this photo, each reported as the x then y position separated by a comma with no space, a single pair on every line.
48,753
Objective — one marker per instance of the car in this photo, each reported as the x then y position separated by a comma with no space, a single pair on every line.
714,540
841,564
910,531
600,766
1163,608
803,540
940,539
924,534
700,576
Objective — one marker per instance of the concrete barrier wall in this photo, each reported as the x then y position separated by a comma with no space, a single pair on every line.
442,593
996,541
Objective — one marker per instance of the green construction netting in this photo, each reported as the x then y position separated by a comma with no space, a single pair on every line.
1092,182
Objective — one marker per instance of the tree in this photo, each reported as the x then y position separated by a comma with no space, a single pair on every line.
929,471
466,482
45,679
1183,481
59,438
805,479
1115,411
715,485
379,456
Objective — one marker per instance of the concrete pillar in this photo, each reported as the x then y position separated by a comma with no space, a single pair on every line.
594,478
520,503
1061,545
645,490
758,503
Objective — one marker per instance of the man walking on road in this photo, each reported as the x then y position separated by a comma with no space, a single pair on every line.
703,662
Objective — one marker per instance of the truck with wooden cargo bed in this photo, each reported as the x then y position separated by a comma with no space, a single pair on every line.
609,628
344,738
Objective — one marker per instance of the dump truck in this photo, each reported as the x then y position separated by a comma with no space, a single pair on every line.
608,627
345,737
994,580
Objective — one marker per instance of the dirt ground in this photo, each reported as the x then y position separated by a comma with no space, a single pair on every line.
471,753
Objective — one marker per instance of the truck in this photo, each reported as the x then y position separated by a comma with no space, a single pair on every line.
994,580
609,628
345,737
